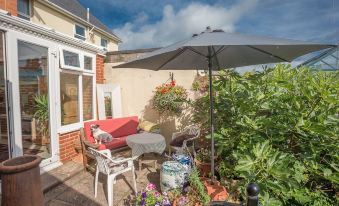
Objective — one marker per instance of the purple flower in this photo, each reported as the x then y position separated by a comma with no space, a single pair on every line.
143,194
143,202
166,202
157,204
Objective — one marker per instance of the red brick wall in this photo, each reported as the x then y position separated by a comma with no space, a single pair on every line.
10,6
67,146
100,69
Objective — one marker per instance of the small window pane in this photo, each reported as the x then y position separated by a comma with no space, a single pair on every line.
23,9
108,105
71,59
88,63
104,43
79,32
69,93
87,97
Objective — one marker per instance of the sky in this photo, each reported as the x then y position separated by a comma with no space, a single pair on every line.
157,23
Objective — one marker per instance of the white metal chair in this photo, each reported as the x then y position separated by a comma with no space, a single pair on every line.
191,130
111,167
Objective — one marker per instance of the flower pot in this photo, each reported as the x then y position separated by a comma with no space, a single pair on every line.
203,167
216,191
21,183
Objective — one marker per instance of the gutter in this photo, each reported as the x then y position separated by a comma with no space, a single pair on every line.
16,23
82,21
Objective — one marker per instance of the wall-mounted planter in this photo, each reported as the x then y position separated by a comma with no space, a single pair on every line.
21,183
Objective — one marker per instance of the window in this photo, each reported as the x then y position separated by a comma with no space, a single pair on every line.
24,10
80,32
69,98
71,59
87,97
77,75
88,61
104,43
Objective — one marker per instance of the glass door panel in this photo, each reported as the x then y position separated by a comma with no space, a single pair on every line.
34,104
4,139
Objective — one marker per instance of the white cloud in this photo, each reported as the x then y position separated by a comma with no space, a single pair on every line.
175,26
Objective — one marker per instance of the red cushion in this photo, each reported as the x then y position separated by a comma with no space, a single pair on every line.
118,127
114,144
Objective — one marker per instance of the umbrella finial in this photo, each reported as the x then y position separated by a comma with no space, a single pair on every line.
208,29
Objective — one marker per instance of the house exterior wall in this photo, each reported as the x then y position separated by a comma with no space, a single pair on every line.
10,6
137,86
47,16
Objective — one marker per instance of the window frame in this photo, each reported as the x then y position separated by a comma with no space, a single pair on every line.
82,38
22,15
104,47
81,72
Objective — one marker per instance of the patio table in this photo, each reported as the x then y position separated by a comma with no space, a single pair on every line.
146,143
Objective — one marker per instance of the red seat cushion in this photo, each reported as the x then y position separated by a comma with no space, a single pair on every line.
119,127
114,144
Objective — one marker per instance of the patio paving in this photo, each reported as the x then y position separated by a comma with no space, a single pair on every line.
79,189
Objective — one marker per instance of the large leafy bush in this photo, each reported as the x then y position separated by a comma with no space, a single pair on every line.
279,128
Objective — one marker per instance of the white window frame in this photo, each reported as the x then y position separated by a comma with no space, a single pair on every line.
62,59
25,16
81,72
102,38
75,32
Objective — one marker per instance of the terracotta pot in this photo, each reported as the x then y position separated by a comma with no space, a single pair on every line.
21,183
216,191
203,167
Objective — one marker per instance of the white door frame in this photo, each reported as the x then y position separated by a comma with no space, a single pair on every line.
115,91
12,38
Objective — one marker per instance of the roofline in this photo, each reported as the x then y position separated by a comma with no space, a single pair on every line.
132,51
18,24
69,14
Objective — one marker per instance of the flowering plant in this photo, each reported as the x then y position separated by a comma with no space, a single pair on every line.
151,197
169,98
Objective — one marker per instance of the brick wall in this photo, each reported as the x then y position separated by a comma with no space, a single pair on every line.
100,69
10,6
67,146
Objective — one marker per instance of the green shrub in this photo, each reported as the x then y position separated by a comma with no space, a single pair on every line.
292,116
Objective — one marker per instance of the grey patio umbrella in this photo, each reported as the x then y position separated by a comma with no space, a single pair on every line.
216,49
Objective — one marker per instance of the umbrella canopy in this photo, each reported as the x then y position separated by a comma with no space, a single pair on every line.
226,49
216,49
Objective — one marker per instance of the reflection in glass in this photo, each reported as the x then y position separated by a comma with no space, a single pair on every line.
108,105
87,97
88,63
71,59
4,152
33,83
69,95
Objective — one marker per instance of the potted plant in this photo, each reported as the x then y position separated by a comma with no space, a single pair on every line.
41,116
203,161
169,98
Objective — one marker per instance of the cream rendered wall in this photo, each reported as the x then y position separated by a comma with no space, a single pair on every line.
137,86
60,22
112,46
53,19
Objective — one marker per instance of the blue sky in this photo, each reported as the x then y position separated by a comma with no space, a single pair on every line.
154,23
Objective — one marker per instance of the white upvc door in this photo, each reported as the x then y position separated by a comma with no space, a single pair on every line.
23,49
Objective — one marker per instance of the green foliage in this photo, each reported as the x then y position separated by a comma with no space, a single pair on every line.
169,98
41,113
279,128
199,187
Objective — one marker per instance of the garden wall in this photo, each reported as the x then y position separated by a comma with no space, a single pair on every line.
137,86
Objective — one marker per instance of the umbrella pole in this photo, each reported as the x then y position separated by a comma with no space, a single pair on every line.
211,111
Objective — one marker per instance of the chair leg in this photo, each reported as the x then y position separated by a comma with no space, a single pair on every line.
110,190
96,181
134,181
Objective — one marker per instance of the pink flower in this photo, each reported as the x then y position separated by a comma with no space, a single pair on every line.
156,194
150,187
